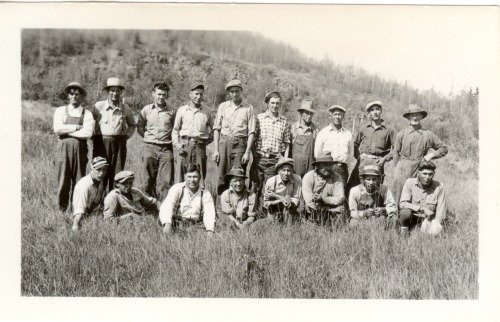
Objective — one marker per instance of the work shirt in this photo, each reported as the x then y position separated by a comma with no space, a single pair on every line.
414,195
189,207
380,198
117,204
374,141
155,124
232,120
338,143
240,207
275,185
63,112
300,128
113,120
272,133
193,122
331,190
415,144
87,195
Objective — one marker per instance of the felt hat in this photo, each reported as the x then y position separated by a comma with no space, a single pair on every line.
122,176
306,105
234,83
375,103
113,82
235,171
336,107
414,108
268,96
99,162
283,161
196,85
323,159
75,85
372,170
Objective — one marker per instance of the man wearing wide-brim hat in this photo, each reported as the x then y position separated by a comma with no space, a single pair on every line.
234,133
412,145
371,199
282,193
303,133
115,124
74,125
323,192
237,202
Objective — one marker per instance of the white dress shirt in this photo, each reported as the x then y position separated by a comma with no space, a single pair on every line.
338,143
70,129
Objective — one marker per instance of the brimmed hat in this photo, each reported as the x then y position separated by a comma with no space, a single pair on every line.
234,83
323,159
196,85
236,171
268,96
375,103
371,169
75,85
306,105
124,175
99,162
113,82
338,107
414,108
283,161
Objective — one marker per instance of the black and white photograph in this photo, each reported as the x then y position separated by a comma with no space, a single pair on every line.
175,154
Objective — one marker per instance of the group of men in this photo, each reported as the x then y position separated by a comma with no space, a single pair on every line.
298,173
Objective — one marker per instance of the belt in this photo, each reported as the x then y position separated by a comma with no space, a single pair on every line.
159,144
186,220
268,155
234,137
369,156
65,136
193,139
113,136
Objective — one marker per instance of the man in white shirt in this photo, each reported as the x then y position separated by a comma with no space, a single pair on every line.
188,204
73,126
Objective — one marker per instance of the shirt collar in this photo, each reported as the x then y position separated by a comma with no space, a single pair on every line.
304,126
108,105
332,128
231,190
191,106
269,114
382,124
418,184
200,188
410,129
278,180
161,109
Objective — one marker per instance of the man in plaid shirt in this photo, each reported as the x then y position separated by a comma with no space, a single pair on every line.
273,138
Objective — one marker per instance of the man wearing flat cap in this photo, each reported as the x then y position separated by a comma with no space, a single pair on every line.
155,124
323,192
238,202
234,133
115,124
192,133
336,141
272,131
373,143
282,193
125,201
73,126
89,191
423,200
413,144
371,200
303,133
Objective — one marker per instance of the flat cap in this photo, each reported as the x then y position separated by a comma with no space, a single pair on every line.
336,107
371,169
283,161
99,162
375,103
124,175
268,96
196,85
234,83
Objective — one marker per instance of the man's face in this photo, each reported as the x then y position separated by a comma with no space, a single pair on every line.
114,93
192,180
125,186
99,174
324,169
75,97
425,176
234,93
371,182
274,105
306,116
337,117
375,112
238,184
285,172
415,118
196,96
160,96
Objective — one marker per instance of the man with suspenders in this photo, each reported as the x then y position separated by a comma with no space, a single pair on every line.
303,133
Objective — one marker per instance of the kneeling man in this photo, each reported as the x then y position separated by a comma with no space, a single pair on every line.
188,204
423,200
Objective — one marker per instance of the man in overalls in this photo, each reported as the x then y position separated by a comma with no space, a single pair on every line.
412,145
73,126
303,133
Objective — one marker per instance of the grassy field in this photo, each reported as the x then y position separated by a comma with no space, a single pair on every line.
135,260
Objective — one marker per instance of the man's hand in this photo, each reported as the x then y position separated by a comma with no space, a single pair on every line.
368,213
245,158
426,211
210,233
381,162
380,211
216,157
317,197
428,157
167,229
287,201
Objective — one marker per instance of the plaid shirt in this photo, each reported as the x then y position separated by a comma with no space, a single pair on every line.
272,133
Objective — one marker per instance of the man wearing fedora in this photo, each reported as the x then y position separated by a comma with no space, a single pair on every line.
73,127
412,145
192,133
272,131
282,193
303,133
234,133
155,125
336,141
115,124
238,202
373,143
371,199
323,192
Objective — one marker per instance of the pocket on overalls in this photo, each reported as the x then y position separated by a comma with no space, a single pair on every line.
301,140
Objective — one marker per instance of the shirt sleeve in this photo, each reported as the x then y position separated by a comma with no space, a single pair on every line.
210,128
208,211
226,204
87,128
110,206
441,206
297,190
177,127
80,200
397,147
406,200
130,121
146,200
141,122
307,190
59,127
318,145
167,207
286,133
268,189
390,204
251,205
357,142
353,203
218,118
252,122
388,157
439,146
350,148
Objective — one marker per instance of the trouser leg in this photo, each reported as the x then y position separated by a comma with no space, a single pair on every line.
224,162
407,219
150,169
165,171
63,177
79,161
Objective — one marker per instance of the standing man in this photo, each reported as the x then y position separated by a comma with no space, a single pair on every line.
303,133
412,145
273,140
373,143
192,133
155,125
73,127
234,133
336,141
115,124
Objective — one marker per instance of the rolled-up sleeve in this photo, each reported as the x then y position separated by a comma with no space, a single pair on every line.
218,117
167,207
177,127
438,145
209,211
441,205
252,123
390,204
